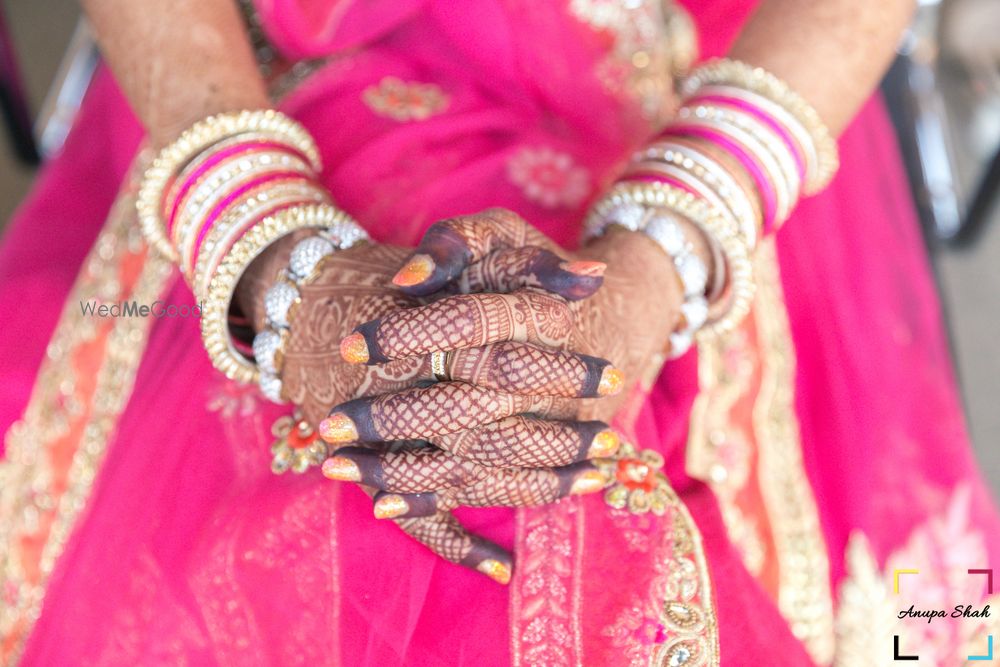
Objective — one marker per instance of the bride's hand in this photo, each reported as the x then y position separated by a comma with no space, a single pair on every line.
491,446
629,320
354,285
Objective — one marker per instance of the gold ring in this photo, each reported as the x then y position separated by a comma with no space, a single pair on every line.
439,367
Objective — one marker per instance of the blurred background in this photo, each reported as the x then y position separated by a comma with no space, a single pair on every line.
943,92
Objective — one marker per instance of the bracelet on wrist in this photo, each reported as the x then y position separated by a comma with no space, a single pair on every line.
742,150
216,198
634,204
218,296
761,93
284,295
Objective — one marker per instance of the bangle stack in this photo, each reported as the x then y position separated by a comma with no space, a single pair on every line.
743,148
218,196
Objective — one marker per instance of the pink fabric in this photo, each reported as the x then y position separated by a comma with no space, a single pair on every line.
192,551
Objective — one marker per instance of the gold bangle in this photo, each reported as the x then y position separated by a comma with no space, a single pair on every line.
215,187
758,80
196,139
235,222
214,328
723,231
742,204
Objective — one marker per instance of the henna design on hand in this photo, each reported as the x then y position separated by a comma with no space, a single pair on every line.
452,481
457,322
353,286
450,246
426,411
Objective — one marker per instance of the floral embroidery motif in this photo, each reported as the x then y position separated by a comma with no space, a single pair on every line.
232,400
543,626
943,548
639,483
405,101
650,42
548,177
297,446
673,621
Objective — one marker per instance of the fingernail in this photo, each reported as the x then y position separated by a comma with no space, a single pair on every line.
416,271
589,481
583,268
605,444
342,469
390,506
354,349
338,428
611,382
495,570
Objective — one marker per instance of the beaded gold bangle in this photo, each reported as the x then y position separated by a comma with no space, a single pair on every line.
196,139
741,203
218,297
256,206
196,207
758,80
739,268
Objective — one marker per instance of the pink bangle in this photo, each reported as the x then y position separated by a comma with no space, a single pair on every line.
765,189
214,214
649,176
189,180
265,196
786,137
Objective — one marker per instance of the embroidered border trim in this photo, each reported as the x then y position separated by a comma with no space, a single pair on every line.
55,451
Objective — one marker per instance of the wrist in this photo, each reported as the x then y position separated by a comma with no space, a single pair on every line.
260,275
634,258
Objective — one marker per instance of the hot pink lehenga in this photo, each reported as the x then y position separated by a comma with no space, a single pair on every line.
813,453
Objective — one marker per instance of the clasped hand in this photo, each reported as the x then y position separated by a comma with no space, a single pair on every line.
480,373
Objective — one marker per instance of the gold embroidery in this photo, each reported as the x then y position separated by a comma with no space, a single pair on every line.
55,451
718,451
866,619
545,601
653,41
688,615
745,444
403,100
804,596
942,549
638,484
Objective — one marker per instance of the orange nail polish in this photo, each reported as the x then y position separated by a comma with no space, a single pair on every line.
341,469
416,271
495,570
391,506
584,268
605,444
611,382
354,349
589,481
338,428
